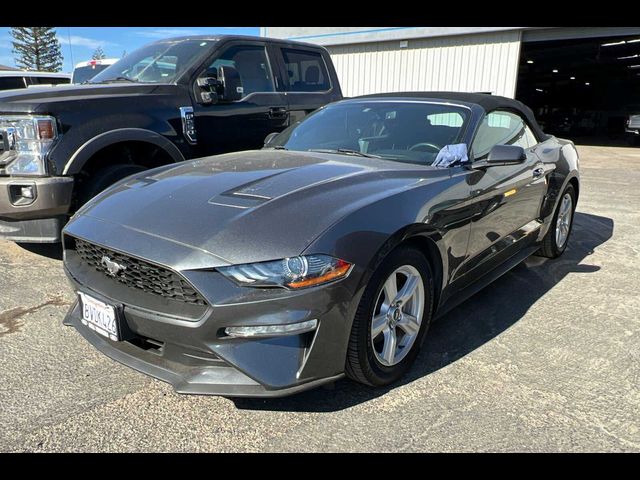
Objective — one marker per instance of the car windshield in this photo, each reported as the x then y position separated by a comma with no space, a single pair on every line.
156,63
82,74
413,132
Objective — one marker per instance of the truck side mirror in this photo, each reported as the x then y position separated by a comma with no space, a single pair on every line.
231,84
208,88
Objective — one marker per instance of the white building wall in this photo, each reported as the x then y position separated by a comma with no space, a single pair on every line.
472,63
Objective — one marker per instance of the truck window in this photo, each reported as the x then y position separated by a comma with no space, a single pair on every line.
48,80
82,74
307,71
252,64
10,83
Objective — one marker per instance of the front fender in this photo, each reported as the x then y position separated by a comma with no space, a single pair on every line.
97,143
431,213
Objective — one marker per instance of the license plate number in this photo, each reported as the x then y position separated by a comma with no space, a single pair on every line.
99,316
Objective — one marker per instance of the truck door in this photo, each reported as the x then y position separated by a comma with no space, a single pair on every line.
242,124
309,79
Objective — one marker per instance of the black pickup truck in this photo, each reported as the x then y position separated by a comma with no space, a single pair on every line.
169,101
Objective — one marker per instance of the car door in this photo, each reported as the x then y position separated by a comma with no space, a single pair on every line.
242,124
307,79
505,200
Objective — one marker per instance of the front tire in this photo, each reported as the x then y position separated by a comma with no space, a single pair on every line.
392,318
103,179
556,240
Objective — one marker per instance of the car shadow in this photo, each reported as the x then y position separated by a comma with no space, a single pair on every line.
49,250
467,327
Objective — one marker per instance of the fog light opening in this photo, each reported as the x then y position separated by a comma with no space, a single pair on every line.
271,330
21,195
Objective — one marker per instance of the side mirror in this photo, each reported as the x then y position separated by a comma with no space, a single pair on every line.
269,138
209,87
501,155
231,84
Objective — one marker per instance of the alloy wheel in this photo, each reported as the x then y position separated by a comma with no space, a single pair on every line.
397,315
563,223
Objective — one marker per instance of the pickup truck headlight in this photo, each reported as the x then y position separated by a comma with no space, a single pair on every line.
26,141
293,273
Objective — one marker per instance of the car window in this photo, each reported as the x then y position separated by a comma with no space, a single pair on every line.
306,70
10,83
154,69
532,141
252,65
160,62
450,119
82,74
401,131
48,80
501,128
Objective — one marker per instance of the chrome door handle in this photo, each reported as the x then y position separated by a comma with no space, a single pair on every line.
538,172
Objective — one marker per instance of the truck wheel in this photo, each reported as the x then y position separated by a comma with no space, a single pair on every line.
105,178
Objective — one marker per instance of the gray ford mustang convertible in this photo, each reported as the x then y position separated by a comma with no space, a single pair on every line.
328,252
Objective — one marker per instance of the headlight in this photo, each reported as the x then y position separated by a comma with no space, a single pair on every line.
27,141
295,272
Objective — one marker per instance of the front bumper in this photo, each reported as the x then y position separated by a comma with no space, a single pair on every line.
188,372
42,219
191,352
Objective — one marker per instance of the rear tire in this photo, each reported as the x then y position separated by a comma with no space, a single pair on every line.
552,245
103,179
379,318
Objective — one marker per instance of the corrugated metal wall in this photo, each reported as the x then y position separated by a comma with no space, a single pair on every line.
469,63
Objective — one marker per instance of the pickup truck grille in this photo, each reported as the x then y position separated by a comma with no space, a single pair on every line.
137,273
634,121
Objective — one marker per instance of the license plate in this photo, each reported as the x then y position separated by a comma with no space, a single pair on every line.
99,316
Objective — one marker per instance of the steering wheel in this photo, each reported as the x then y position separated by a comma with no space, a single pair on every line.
421,147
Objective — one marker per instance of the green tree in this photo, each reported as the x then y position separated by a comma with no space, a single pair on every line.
98,54
37,48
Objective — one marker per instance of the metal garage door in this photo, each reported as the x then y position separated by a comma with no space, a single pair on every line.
471,63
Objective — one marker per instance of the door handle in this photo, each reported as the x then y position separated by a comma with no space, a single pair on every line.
278,112
538,172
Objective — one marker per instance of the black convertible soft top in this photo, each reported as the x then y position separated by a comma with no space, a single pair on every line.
487,101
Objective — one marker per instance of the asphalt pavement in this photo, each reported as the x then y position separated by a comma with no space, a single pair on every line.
545,359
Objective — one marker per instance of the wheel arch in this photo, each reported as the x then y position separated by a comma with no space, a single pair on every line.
575,182
426,240
119,136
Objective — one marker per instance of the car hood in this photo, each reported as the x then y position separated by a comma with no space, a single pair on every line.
43,99
241,207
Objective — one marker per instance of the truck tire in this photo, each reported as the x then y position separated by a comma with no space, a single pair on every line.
105,178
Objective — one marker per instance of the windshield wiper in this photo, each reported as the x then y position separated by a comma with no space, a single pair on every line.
279,147
344,151
120,79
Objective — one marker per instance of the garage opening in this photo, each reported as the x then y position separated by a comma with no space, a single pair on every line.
585,89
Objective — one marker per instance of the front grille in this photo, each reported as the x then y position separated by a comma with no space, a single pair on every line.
139,274
634,121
